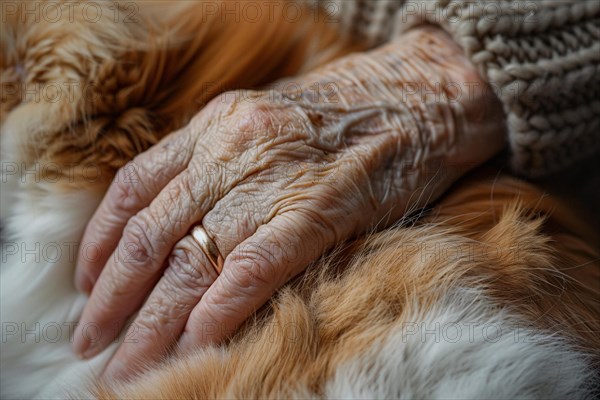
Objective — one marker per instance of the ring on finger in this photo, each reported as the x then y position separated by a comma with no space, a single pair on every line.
208,247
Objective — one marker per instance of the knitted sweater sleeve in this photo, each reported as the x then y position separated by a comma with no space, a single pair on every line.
541,57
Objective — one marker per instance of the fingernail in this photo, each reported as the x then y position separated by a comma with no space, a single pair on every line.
91,351
83,347
83,283
79,345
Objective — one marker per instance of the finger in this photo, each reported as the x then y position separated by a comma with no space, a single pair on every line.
254,270
162,319
187,277
136,264
133,188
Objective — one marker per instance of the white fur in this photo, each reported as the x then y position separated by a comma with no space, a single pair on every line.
38,296
465,348
38,302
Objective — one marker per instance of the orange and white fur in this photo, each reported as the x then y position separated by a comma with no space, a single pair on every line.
494,292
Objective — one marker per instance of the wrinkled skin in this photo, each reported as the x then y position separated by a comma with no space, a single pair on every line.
277,180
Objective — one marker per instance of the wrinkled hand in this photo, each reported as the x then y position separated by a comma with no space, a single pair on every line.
276,181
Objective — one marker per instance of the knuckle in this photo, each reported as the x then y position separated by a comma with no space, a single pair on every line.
171,208
192,191
238,218
155,316
257,120
126,188
186,271
136,246
253,123
255,267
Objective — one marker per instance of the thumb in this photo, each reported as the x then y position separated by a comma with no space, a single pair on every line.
251,274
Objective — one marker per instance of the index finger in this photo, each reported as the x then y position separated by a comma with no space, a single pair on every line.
133,188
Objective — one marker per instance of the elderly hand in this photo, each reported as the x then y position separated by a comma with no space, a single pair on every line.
276,180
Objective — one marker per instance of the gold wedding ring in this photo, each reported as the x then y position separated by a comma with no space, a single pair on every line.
208,247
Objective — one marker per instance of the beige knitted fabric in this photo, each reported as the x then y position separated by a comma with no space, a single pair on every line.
542,57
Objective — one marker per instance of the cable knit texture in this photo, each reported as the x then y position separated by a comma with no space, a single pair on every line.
542,57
